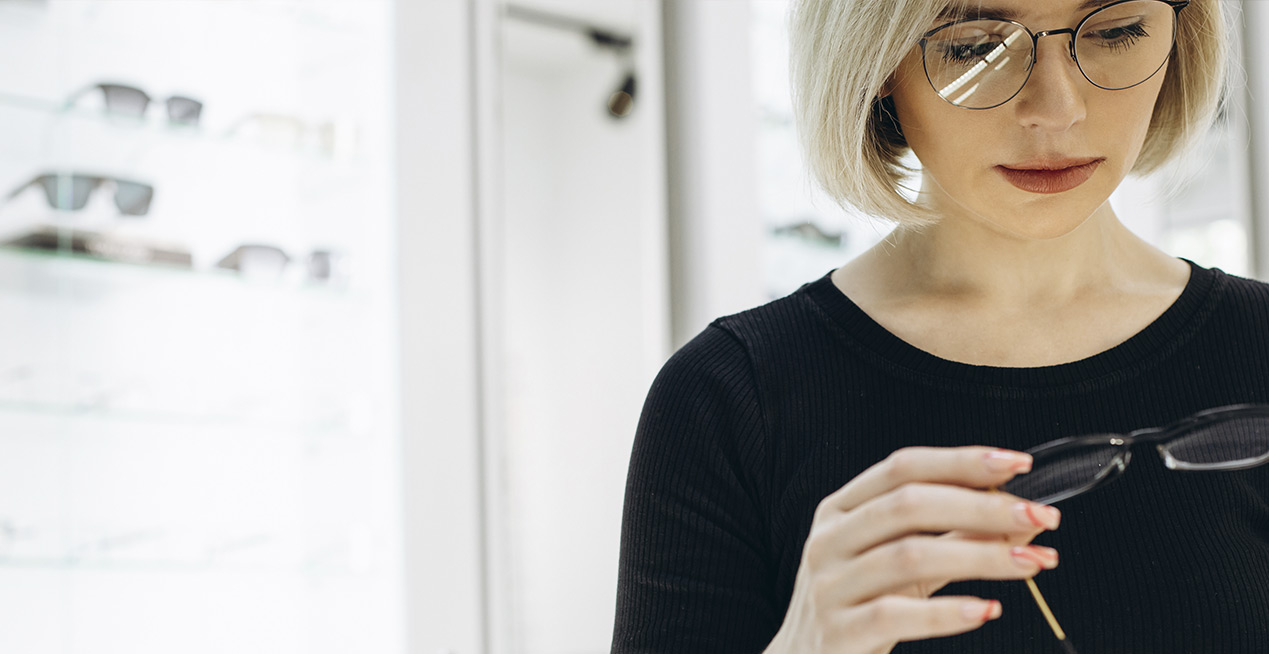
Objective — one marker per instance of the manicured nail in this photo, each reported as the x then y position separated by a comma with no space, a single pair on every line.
1037,515
1045,557
1002,461
980,611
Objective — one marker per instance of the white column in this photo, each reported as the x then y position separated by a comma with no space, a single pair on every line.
439,327
715,226
1255,59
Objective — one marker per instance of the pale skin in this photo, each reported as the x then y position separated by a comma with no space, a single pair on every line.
1007,278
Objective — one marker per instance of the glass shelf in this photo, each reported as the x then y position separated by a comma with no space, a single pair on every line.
29,271
335,423
169,567
211,337
46,119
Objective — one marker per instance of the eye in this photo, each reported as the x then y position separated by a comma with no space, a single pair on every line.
1117,37
969,52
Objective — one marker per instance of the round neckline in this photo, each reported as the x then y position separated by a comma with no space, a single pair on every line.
1151,344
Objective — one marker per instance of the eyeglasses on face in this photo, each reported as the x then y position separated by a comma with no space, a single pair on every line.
983,62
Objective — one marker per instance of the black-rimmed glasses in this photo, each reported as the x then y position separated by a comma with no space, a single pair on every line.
1225,438
983,62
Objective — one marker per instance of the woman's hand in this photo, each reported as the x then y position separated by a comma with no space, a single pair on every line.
873,558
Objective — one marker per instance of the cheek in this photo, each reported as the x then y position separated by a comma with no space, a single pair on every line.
1132,111
942,136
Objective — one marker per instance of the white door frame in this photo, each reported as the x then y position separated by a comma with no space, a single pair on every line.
438,204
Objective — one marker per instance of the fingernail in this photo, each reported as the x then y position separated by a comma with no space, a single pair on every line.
981,611
1037,515
1045,557
1002,461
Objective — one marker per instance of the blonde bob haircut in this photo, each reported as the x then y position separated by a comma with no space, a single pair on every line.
842,53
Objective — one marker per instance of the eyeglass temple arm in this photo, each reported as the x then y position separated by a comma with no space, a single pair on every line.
238,124
74,97
17,190
1048,616
1044,608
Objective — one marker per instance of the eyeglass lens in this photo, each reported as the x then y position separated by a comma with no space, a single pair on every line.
1056,476
1227,441
981,64
1219,444
183,111
125,100
133,102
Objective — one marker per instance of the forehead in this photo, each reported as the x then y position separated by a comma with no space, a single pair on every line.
1019,9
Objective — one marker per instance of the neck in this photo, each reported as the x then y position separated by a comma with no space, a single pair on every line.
976,262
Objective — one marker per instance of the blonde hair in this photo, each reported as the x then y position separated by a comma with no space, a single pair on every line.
843,52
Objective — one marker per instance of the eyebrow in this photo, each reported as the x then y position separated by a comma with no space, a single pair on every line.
961,12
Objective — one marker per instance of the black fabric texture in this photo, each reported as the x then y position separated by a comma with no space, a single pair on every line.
766,412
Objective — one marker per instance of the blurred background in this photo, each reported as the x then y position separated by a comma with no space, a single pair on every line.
327,323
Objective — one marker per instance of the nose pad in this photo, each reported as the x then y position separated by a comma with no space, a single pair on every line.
1051,97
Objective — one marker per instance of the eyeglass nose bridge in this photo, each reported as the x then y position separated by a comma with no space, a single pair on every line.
1035,43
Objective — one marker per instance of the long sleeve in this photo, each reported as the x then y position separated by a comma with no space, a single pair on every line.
696,575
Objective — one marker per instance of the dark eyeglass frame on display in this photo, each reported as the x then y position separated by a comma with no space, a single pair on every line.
132,198
1176,5
131,101
1119,454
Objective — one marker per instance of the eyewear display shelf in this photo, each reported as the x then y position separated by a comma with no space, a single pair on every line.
190,458
198,456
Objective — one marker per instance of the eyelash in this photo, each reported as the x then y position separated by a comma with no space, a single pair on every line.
1117,39
961,54
1122,38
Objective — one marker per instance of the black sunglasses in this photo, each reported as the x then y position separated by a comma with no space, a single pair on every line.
72,190
132,101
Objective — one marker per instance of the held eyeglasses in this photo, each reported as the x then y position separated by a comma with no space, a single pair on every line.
983,62
1226,438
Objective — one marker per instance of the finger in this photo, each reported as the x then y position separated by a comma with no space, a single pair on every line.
928,588
972,467
887,620
923,559
1021,538
937,508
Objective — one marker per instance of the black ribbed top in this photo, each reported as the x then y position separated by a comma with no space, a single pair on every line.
768,411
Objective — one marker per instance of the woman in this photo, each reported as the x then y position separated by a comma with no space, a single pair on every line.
819,474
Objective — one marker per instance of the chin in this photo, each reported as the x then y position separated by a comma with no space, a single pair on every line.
1034,223
1048,217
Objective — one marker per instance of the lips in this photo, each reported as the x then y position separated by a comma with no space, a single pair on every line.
1049,176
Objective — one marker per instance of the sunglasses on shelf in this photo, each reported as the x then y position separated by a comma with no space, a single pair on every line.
70,191
131,101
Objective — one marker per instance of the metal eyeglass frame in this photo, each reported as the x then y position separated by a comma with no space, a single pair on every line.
1159,437
1177,6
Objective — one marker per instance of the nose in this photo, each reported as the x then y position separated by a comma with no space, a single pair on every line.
1052,99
